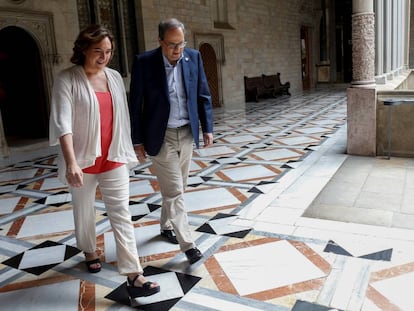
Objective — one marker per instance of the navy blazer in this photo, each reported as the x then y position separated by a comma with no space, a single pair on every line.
149,101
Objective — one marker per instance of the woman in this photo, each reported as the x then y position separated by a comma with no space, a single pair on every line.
90,120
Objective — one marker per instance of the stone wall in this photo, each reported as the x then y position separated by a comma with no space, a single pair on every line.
265,37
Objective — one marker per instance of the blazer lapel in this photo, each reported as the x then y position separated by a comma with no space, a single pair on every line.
158,61
185,61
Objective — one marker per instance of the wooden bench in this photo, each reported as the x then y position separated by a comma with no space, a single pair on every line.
254,88
264,86
273,81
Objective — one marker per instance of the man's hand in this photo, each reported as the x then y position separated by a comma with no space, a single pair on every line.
208,139
140,152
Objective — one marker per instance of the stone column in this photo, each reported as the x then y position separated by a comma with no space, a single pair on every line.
324,36
361,96
388,37
407,18
323,68
363,43
379,42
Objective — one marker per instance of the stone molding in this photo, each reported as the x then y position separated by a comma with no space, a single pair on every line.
40,26
215,40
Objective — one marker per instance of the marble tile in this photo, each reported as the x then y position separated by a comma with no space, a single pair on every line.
42,257
214,151
174,286
248,172
56,199
209,198
267,266
15,175
65,295
38,257
299,140
262,129
44,224
201,298
246,198
140,187
241,139
225,224
277,154
311,130
391,289
149,242
51,183
7,205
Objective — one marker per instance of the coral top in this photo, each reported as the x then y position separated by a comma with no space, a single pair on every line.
106,114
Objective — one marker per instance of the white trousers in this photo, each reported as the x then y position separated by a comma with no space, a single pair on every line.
114,187
171,166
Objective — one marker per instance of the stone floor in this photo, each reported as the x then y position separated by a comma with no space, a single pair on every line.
285,218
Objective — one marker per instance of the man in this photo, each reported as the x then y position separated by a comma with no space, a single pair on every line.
169,99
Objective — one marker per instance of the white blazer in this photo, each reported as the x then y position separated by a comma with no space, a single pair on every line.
75,110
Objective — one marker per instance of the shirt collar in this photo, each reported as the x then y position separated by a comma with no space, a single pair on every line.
167,63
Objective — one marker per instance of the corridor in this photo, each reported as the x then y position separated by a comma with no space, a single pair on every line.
247,199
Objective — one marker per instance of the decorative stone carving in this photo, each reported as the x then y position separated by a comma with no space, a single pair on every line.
41,27
363,48
215,40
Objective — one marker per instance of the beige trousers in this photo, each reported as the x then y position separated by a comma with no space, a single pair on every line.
114,186
171,166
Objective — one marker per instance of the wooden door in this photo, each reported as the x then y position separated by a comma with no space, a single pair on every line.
210,67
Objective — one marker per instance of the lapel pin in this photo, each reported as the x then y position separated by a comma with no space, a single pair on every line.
186,59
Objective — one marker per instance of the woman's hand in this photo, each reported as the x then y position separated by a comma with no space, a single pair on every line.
74,175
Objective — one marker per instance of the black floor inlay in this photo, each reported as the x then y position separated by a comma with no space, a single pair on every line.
42,257
174,286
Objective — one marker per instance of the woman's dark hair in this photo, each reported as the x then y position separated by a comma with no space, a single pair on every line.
90,35
168,24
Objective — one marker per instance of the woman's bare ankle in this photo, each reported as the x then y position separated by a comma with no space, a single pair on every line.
91,256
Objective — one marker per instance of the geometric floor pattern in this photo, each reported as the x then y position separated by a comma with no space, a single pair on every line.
258,254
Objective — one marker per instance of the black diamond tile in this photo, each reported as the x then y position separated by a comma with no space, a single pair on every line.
149,209
185,281
384,255
57,204
227,228
15,261
332,247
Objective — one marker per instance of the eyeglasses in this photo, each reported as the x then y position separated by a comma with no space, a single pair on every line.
174,46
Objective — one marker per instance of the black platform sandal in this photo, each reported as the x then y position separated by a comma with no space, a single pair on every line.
90,263
141,291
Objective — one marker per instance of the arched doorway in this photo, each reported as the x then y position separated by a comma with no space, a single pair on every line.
210,67
23,102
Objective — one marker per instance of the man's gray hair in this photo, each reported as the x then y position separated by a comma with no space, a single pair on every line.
168,24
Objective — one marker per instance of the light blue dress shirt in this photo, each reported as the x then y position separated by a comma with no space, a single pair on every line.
178,99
